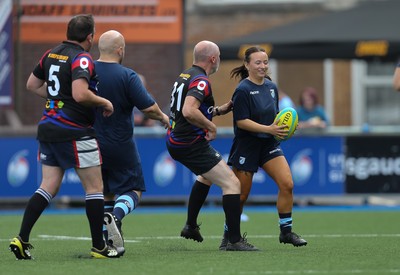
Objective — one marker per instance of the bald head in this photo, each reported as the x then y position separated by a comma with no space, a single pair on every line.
203,50
206,55
111,46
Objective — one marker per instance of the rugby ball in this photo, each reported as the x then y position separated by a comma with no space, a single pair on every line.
287,116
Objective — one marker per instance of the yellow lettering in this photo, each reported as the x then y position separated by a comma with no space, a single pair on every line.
184,75
58,56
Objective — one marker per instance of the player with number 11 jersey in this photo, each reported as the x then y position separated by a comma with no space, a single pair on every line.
193,82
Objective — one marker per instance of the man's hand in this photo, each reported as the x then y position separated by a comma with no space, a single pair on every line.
223,109
108,108
165,121
211,134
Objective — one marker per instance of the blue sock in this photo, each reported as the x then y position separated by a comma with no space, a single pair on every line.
285,222
125,204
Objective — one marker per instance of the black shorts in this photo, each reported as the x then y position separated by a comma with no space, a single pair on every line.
122,180
80,153
249,153
199,157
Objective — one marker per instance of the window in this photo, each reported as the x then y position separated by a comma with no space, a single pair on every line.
374,100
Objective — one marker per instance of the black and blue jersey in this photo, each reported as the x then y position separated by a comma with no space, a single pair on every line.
192,82
63,118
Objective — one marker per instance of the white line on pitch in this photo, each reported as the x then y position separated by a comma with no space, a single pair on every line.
138,239
318,272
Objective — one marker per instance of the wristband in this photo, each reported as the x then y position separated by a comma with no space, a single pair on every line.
217,111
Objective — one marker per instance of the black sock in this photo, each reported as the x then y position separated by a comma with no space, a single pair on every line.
226,231
95,215
197,198
35,207
231,205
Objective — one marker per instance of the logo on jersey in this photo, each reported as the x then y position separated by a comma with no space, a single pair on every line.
202,85
54,104
272,93
84,63
58,56
242,160
184,76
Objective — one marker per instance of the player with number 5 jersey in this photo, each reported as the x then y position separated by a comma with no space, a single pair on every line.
64,118
65,76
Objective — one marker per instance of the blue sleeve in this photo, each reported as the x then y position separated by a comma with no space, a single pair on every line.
241,107
138,94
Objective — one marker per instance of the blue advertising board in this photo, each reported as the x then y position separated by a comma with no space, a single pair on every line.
316,164
20,173
18,167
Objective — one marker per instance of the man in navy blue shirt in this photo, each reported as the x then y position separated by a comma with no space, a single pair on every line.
121,169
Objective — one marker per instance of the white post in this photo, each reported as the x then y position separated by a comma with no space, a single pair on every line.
328,89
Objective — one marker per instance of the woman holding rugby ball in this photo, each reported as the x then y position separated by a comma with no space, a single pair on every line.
255,106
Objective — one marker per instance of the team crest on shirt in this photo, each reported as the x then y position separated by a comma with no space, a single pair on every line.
84,63
201,85
242,160
272,92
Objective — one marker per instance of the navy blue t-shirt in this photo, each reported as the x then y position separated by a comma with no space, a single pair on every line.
123,87
256,102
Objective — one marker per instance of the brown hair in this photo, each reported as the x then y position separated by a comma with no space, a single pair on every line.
241,70
79,27
310,91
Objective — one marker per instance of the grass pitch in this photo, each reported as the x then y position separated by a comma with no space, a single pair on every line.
341,241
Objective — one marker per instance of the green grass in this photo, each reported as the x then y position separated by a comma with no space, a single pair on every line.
350,242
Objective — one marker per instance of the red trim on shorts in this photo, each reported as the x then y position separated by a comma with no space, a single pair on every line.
98,150
76,153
